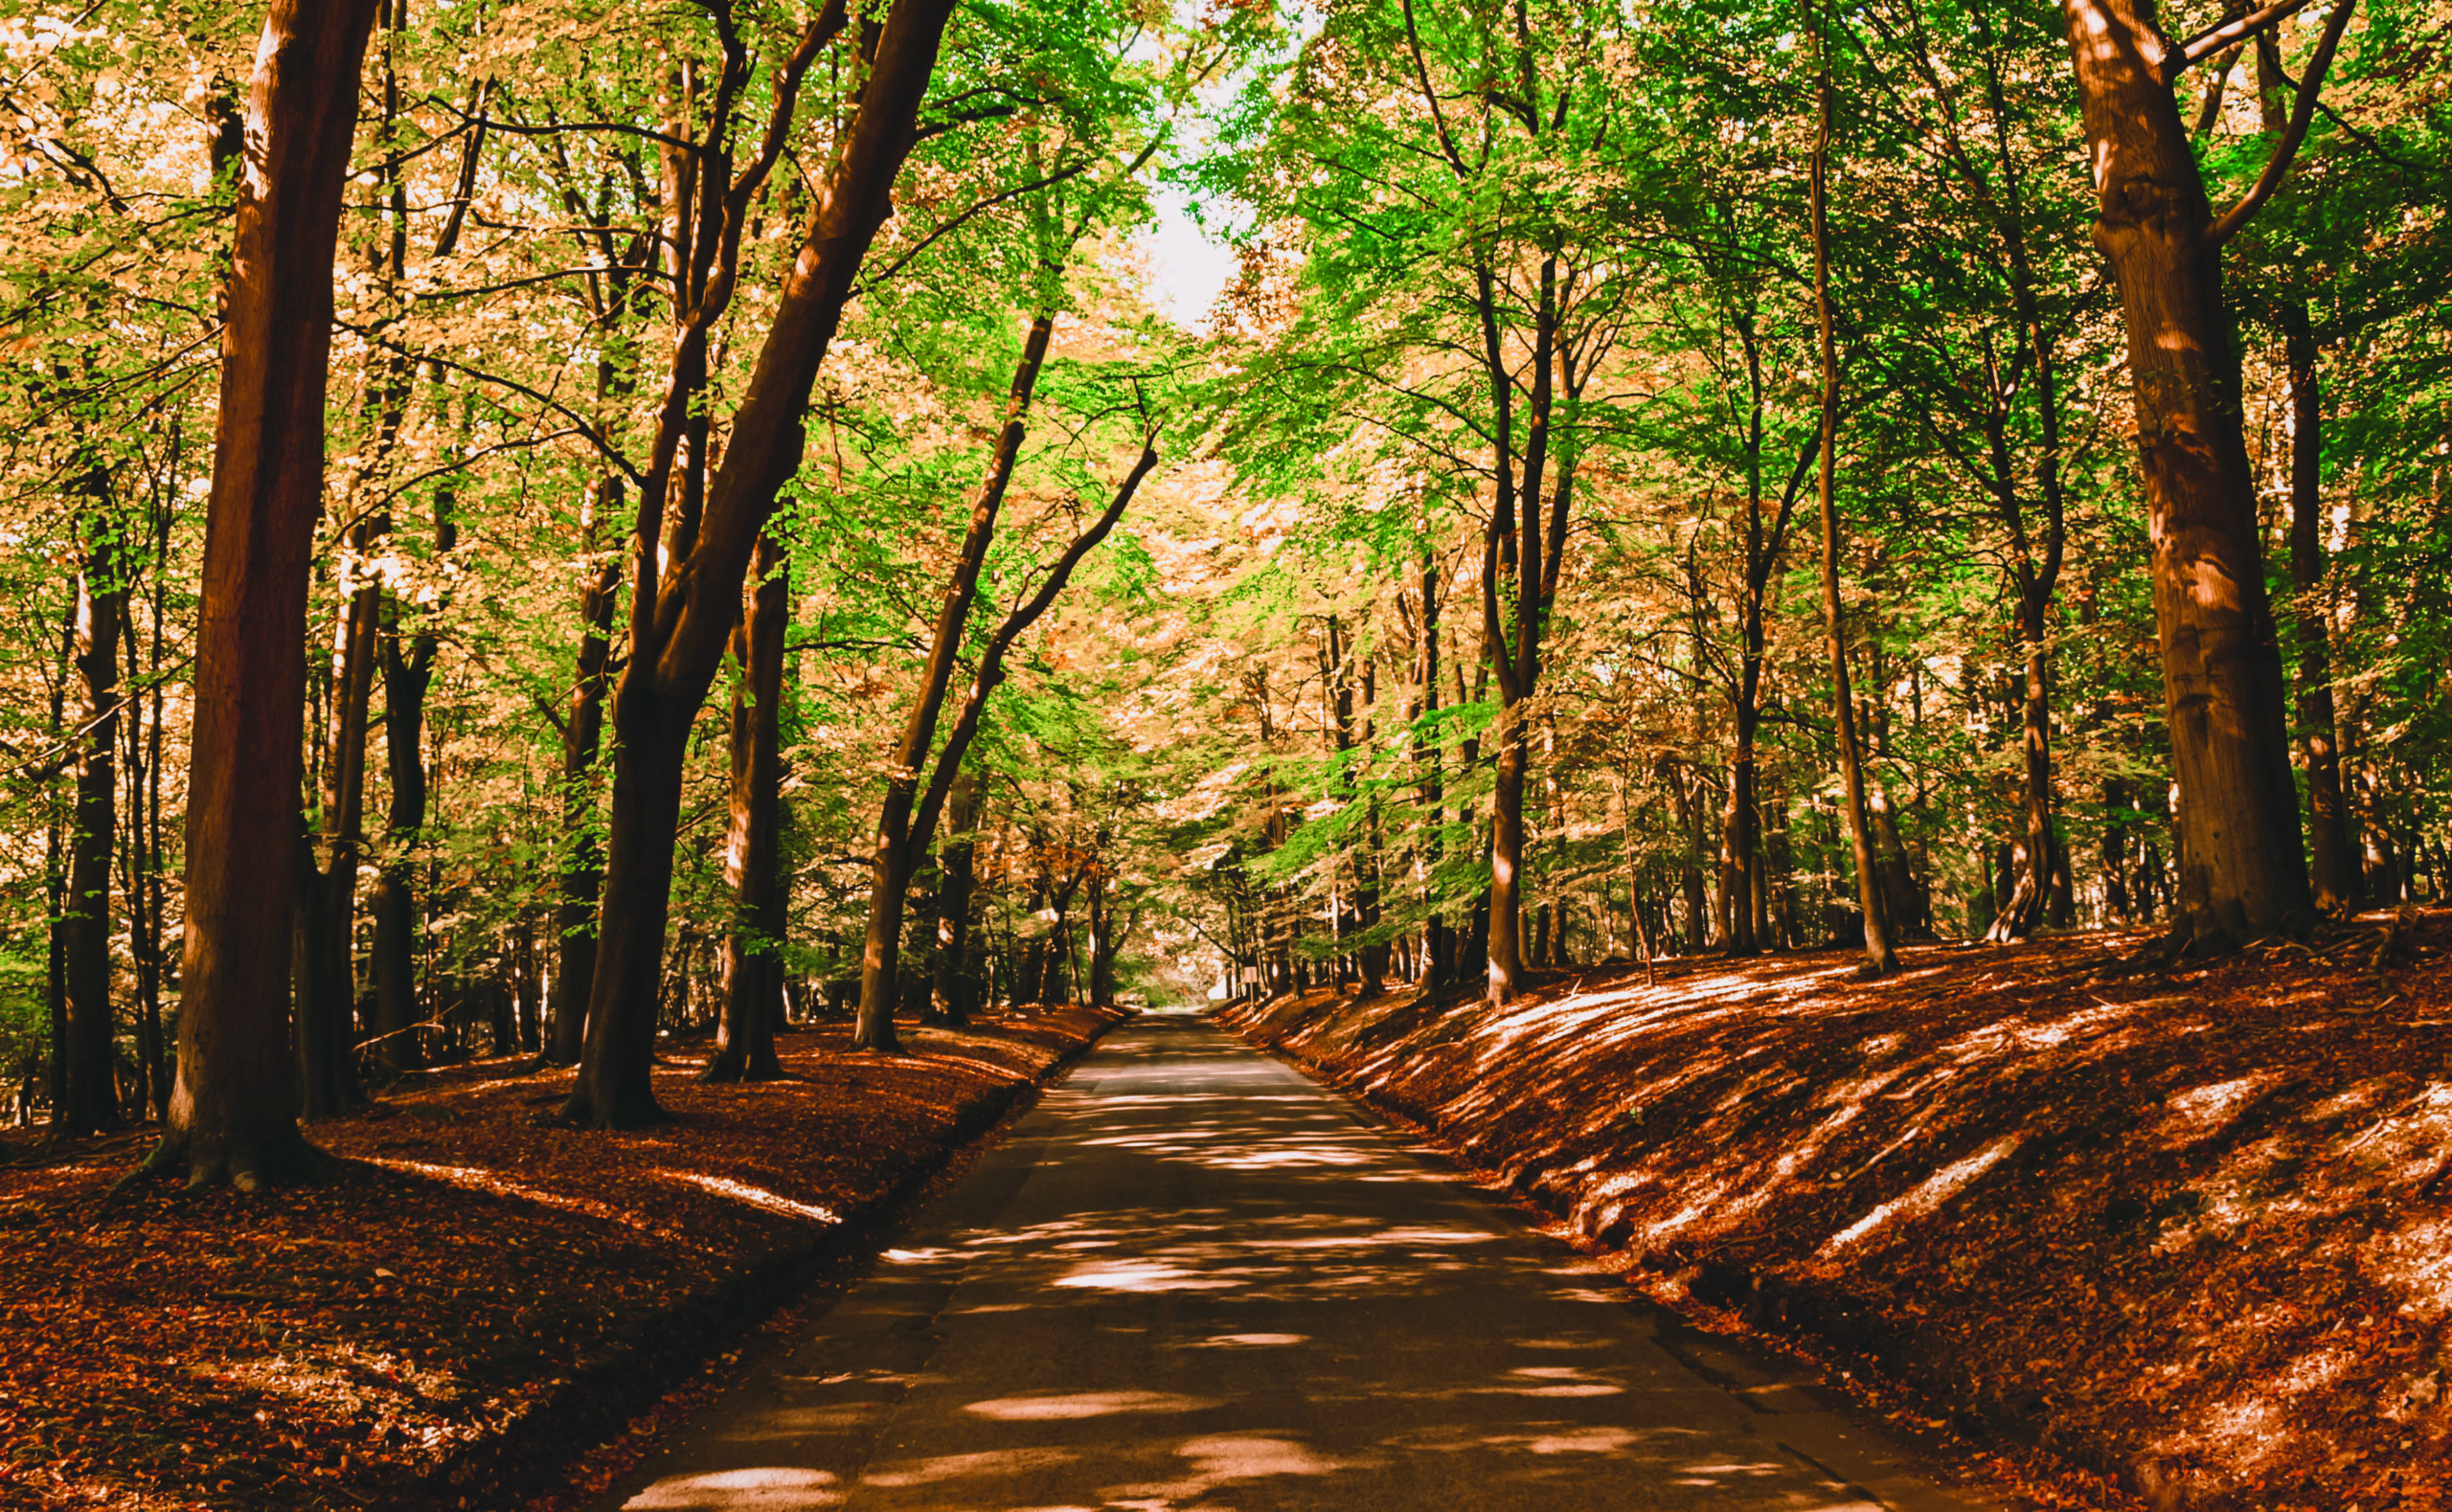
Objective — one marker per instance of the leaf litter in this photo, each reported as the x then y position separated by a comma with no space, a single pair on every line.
474,1295
2181,1239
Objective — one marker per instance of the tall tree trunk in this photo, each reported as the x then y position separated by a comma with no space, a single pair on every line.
323,984
1740,828
894,860
2028,878
234,1110
407,674
2334,859
680,621
1878,953
1439,936
92,1103
138,860
753,975
2243,872
583,736
879,992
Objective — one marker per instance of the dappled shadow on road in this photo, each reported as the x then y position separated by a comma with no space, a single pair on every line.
1283,1311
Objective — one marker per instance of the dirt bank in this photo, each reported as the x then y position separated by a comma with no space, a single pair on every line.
472,1298
2191,1231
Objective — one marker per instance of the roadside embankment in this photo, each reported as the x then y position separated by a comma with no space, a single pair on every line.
2192,1231
472,1298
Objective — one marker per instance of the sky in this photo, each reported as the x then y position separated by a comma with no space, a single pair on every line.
1187,266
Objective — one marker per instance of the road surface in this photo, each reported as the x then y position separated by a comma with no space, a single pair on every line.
1191,1279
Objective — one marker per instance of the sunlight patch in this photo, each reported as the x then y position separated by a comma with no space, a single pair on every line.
2201,1111
2415,1261
1085,1404
754,1196
1141,1275
767,1488
1935,1189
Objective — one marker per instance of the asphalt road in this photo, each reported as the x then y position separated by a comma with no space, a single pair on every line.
1191,1279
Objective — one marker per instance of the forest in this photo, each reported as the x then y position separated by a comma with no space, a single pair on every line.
559,535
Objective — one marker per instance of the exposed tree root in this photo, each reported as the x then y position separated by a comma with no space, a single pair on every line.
248,1160
730,1064
581,1111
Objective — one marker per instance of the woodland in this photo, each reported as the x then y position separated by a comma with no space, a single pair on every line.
561,535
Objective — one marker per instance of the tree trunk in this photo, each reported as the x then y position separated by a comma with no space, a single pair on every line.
753,975
950,1000
234,1110
583,735
613,1080
323,984
1439,937
1878,953
139,861
406,676
680,621
2333,860
2029,877
895,857
2244,875
91,1104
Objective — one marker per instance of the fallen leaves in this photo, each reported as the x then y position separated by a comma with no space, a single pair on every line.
465,1275
2188,1231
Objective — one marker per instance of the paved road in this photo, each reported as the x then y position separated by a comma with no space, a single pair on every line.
1192,1279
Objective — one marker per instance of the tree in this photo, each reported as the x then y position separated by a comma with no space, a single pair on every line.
753,969
1878,953
2242,871
234,1107
682,614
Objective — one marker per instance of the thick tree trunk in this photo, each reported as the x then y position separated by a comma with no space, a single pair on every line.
2244,875
234,1110
616,1064
753,975
680,621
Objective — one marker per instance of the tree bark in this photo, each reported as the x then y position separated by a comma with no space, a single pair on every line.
407,674
895,855
753,974
950,1002
2334,859
2243,873
90,1103
1879,956
583,736
323,984
234,1110
681,620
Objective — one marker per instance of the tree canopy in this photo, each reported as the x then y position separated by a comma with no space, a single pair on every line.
773,555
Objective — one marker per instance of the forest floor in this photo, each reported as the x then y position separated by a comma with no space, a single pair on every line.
473,1295
2185,1237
